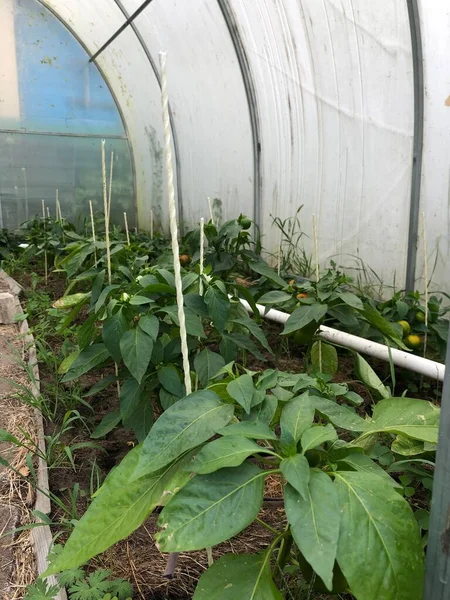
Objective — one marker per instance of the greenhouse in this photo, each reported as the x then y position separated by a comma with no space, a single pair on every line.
224,299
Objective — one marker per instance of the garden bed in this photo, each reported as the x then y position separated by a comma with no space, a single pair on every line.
277,416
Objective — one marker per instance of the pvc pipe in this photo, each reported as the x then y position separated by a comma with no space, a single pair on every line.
424,366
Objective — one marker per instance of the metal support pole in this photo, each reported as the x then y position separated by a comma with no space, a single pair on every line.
119,31
437,576
417,56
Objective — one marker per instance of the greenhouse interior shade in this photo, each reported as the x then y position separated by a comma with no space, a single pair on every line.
341,107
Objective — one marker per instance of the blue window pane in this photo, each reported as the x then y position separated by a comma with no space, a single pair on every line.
32,167
59,91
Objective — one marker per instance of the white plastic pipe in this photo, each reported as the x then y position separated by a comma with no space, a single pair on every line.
410,361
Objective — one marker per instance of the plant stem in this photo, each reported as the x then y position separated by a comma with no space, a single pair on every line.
283,553
267,526
110,184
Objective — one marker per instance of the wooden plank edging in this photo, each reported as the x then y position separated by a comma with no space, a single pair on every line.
42,535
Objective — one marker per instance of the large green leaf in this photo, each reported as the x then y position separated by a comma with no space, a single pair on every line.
218,307
90,357
149,324
417,419
251,429
379,322
344,314
242,342
303,315
296,417
255,331
317,435
368,376
324,357
351,300
121,505
296,471
71,301
228,451
136,348
275,297
407,446
379,548
169,378
207,364
113,329
262,268
264,412
210,509
130,397
107,424
340,416
360,462
242,390
104,295
141,420
315,523
183,426
238,577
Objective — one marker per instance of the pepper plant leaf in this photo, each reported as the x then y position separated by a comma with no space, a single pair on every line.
183,426
228,451
296,417
112,331
120,506
242,389
210,509
296,471
315,523
317,435
303,315
417,419
88,359
207,364
377,522
243,576
136,348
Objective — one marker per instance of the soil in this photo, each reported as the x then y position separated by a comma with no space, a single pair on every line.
137,558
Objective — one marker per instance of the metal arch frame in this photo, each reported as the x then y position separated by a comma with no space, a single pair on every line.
113,95
250,90
416,176
154,67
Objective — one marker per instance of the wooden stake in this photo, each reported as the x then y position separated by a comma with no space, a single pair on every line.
93,230
210,210
279,253
316,255
151,224
173,222
48,212
110,184
58,207
45,251
173,557
126,227
106,211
